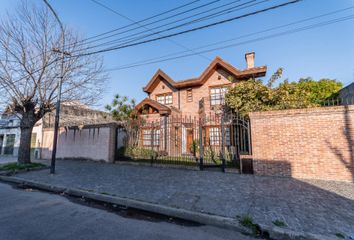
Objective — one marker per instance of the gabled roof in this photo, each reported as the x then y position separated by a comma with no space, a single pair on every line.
156,78
215,64
162,109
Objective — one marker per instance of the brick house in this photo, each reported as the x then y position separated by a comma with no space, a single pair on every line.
178,105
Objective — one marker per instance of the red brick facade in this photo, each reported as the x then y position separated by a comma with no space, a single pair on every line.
183,103
184,96
305,143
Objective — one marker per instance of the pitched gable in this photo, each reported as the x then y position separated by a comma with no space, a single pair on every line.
148,103
213,66
156,79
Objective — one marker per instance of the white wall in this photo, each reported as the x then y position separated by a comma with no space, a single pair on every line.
90,143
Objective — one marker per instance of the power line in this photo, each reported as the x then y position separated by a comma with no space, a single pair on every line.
140,21
133,21
192,30
168,11
241,43
317,25
35,71
81,42
156,21
213,15
169,17
244,36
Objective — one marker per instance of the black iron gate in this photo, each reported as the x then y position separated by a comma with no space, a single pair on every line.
224,139
213,141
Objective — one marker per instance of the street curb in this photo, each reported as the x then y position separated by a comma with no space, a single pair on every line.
203,218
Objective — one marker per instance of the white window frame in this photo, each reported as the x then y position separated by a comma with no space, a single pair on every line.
217,95
214,136
166,99
147,137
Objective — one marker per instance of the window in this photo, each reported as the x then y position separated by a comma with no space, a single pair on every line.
10,143
189,95
214,136
168,99
217,95
164,98
147,137
157,137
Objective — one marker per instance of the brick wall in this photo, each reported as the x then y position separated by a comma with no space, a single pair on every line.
306,143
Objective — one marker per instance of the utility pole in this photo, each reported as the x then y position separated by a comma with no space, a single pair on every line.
57,112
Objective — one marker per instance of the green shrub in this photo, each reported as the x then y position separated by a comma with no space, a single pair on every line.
211,155
17,166
138,152
279,223
195,147
247,221
340,235
121,151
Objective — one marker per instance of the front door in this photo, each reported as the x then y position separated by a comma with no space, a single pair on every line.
189,140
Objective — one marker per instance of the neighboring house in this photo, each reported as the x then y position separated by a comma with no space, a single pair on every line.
193,99
84,133
10,134
346,94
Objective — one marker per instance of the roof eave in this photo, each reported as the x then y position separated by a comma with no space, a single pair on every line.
253,73
217,62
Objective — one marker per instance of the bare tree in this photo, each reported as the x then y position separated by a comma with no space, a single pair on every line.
30,68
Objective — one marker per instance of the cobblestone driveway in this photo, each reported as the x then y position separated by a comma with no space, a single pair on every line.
319,207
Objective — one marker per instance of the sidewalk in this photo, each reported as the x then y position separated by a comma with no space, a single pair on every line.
7,159
317,207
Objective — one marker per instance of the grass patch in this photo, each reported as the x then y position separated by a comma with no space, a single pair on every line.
279,223
247,221
340,235
17,166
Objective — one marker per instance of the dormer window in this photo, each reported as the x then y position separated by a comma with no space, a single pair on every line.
165,99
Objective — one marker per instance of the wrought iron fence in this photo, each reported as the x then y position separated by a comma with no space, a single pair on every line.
298,104
216,140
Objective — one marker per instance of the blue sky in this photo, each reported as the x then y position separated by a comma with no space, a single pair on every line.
326,52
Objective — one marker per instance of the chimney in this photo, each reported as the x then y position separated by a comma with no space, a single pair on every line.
250,59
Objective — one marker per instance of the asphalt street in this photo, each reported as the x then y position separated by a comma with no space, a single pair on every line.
27,214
